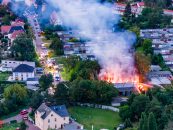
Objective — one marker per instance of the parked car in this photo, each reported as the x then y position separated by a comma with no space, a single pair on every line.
25,117
23,112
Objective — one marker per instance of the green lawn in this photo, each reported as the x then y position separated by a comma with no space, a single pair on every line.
10,127
97,117
46,41
4,76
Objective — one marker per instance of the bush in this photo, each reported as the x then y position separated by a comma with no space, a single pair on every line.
13,121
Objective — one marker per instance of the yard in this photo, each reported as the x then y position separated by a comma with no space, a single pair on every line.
10,127
97,117
4,76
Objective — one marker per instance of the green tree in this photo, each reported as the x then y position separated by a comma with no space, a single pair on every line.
23,126
88,91
57,46
141,121
36,100
16,92
147,46
128,123
136,30
61,94
23,48
6,20
152,125
128,12
145,125
143,63
125,112
45,81
139,105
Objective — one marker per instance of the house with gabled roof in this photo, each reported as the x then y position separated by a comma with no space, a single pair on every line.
51,117
23,72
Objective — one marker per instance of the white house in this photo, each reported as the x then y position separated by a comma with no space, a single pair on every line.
10,65
53,117
23,72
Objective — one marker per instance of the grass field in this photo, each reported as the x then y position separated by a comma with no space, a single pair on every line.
97,117
10,127
46,41
4,76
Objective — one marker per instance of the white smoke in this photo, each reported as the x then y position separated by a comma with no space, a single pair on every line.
29,2
93,21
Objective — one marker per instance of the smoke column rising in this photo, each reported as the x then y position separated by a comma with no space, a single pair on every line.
94,21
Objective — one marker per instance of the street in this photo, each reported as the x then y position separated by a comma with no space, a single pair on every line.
46,62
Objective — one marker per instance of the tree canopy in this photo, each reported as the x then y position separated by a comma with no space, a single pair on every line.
23,48
45,81
16,92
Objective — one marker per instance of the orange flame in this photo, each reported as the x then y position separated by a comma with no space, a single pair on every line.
134,78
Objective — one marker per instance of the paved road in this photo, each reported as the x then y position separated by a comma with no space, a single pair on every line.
42,52
18,118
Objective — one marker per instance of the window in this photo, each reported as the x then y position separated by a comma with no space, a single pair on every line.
55,126
64,118
51,114
55,119
48,120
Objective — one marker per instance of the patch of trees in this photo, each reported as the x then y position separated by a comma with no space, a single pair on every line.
23,48
57,46
85,91
75,68
49,31
15,96
158,3
6,15
150,18
45,81
152,110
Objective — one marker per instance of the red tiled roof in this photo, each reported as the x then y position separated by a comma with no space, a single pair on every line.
18,24
141,3
120,4
166,10
5,29
16,33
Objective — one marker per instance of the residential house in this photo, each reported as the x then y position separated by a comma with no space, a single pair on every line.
15,34
159,77
23,72
5,29
136,8
55,19
125,89
53,117
16,28
168,12
162,43
10,65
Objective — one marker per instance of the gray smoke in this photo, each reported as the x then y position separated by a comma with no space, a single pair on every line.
94,20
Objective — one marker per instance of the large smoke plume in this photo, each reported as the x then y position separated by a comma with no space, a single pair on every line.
94,20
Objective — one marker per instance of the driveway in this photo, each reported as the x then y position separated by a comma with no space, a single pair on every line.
18,117
31,126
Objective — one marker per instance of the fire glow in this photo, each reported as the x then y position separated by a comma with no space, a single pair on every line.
112,77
